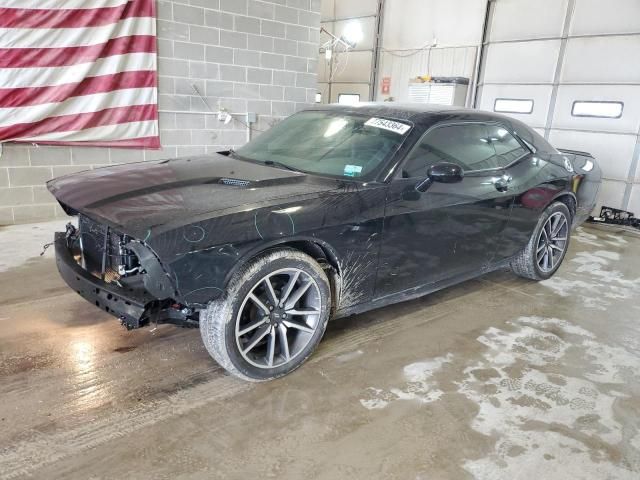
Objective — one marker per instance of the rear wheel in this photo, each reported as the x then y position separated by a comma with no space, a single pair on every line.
271,319
548,245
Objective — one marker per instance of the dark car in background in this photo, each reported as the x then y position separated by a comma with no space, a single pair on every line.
334,211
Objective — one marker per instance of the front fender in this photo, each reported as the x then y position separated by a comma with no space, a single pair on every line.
346,224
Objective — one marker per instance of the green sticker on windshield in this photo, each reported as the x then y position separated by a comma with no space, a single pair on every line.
352,170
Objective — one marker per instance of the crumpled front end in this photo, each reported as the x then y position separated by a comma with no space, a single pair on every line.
119,274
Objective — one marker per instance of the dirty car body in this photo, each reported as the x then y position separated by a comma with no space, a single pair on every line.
158,241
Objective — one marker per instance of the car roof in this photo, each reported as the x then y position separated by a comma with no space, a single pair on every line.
426,115
414,112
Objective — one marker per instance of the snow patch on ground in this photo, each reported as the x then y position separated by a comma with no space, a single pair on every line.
580,235
608,255
616,240
546,424
21,243
346,357
419,385
594,282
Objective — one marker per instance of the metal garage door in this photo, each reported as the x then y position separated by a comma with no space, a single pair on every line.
348,74
573,69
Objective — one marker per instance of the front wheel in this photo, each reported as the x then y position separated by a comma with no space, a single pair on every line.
548,245
272,317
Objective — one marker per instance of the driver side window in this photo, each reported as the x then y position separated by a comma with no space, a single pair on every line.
471,146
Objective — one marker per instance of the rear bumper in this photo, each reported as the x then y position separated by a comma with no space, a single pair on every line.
582,214
127,304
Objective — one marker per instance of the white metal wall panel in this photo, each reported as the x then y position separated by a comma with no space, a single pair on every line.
613,151
613,59
443,62
598,17
521,62
629,122
540,94
450,62
526,19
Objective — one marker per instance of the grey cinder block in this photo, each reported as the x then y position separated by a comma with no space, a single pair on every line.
233,73
235,6
16,196
89,156
27,176
233,39
273,29
247,24
272,60
259,75
188,14
45,155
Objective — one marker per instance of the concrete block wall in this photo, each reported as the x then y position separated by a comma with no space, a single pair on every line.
242,55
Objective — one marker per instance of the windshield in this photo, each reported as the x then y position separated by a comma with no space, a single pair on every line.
328,143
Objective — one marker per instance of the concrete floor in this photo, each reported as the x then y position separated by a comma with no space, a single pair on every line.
496,378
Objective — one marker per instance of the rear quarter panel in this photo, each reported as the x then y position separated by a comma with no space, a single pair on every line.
586,184
537,181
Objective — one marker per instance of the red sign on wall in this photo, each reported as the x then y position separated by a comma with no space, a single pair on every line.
386,85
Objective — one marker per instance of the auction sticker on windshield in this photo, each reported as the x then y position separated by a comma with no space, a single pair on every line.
397,127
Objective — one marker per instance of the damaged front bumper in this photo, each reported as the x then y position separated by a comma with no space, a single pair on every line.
127,303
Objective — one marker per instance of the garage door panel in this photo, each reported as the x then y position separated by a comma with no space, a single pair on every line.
611,194
521,62
613,152
349,89
619,16
331,9
353,67
368,31
544,18
634,200
602,60
323,90
354,9
415,23
540,94
629,95
322,69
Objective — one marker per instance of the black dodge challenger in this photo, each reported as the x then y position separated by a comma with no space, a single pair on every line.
334,211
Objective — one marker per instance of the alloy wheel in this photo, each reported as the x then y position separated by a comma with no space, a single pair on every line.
552,242
278,318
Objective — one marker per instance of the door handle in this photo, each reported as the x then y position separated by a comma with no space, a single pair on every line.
502,183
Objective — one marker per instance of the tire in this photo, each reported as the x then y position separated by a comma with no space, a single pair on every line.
223,322
529,263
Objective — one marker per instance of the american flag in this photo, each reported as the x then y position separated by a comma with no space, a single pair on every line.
79,72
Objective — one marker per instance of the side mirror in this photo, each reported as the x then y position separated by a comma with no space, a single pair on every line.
442,173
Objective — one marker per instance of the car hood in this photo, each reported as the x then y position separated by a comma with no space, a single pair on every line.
137,197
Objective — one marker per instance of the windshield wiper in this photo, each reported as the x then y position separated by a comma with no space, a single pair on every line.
273,163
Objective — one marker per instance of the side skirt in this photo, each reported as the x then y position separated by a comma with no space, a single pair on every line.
417,292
